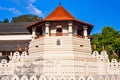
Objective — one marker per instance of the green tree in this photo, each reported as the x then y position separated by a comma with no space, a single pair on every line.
110,39
5,20
26,18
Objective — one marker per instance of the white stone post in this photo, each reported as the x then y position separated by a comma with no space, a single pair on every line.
85,32
70,30
47,29
10,55
33,33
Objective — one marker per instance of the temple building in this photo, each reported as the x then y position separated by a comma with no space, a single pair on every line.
13,36
59,49
61,41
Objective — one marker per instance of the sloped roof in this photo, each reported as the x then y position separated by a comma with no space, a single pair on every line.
14,28
12,45
60,14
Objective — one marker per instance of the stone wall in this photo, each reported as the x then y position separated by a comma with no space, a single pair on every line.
21,64
43,77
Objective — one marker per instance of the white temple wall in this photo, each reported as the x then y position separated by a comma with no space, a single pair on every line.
72,77
55,60
65,66
67,44
6,68
15,37
102,66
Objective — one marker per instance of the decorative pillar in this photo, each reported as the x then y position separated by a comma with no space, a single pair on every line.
33,33
85,32
47,29
70,30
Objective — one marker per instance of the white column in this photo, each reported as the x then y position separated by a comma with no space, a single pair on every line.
33,33
85,32
70,30
47,29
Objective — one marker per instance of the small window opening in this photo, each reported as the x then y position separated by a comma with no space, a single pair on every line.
2,65
81,45
58,42
37,46
59,30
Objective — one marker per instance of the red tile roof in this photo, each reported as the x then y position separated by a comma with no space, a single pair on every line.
60,14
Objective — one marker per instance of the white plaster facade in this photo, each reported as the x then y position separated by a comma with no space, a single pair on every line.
60,64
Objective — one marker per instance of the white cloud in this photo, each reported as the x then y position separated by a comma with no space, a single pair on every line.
28,7
34,10
13,10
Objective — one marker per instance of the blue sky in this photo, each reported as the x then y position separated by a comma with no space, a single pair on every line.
100,13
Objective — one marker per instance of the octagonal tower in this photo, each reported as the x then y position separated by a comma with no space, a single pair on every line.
61,44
